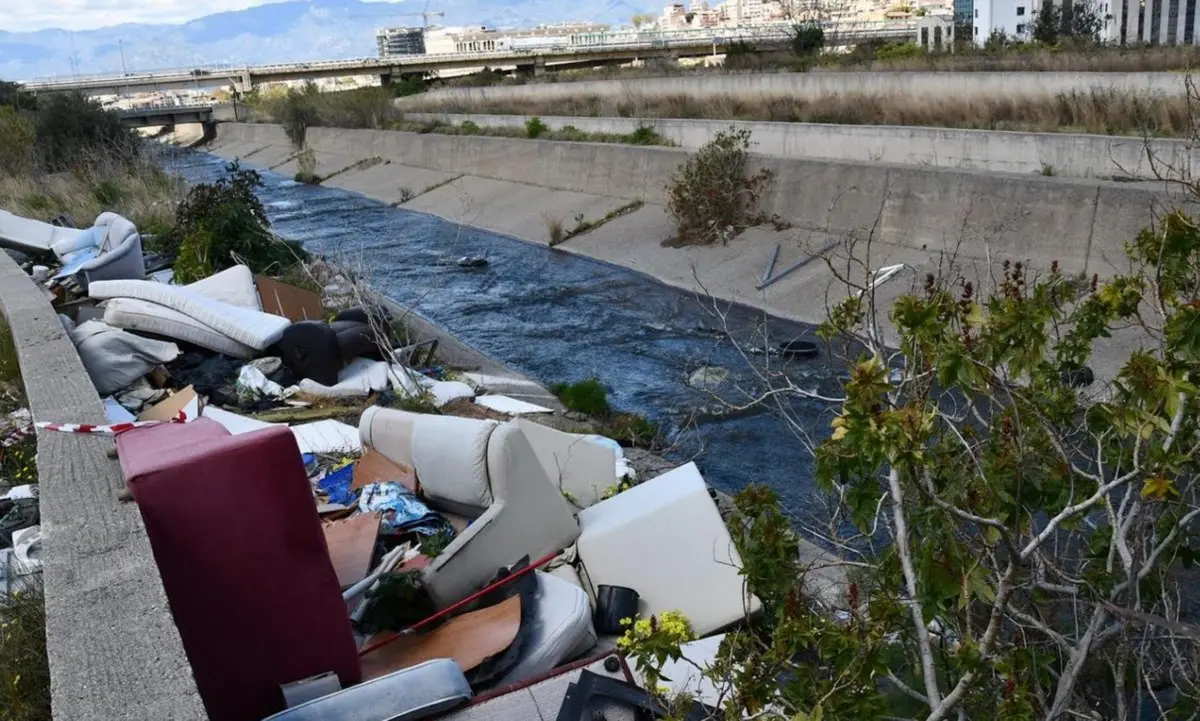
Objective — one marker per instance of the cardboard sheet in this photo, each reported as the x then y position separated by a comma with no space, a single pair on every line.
293,303
351,544
185,400
468,639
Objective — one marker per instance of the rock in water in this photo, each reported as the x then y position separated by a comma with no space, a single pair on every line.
708,377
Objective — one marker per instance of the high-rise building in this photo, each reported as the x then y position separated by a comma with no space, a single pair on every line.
400,41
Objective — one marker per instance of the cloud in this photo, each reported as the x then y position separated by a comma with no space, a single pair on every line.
23,15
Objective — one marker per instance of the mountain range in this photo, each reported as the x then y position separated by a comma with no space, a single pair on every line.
295,30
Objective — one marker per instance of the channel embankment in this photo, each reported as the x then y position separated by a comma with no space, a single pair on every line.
858,215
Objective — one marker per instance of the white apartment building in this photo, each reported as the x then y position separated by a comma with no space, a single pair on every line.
1146,22
1155,22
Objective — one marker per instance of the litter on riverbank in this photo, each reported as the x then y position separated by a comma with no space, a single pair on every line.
449,548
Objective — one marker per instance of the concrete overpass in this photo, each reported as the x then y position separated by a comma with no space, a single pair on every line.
674,44
156,115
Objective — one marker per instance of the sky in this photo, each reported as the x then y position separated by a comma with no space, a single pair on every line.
24,15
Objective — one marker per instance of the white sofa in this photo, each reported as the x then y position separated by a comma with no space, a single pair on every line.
33,236
486,471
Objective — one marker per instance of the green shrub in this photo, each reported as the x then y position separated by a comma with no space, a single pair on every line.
72,130
194,261
633,429
17,136
900,51
24,667
470,127
587,397
710,196
223,223
645,135
808,38
534,127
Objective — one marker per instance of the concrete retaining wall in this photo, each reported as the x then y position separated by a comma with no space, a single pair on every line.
972,212
931,85
114,650
1065,154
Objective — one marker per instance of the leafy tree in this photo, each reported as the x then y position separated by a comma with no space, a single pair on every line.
1020,536
72,129
808,38
17,135
1080,20
13,95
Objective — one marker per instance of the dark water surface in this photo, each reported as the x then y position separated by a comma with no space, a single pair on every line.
560,317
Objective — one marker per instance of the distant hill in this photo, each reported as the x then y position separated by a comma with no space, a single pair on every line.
284,31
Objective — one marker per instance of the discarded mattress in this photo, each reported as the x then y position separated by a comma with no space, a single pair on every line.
561,629
258,604
419,692
665,539
31,235
147,317
114,358
246,326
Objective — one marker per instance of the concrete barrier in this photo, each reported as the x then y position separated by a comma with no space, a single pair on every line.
114,650
753,86
972,212
1066,154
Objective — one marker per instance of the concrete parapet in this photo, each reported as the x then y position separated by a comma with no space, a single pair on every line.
114,650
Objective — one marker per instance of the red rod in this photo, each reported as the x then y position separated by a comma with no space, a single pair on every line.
455,606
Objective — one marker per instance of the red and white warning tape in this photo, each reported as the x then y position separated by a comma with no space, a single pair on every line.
109,430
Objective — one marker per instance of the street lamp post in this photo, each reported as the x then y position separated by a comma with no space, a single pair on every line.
124,70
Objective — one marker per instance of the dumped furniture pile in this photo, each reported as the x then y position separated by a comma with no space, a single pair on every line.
463,562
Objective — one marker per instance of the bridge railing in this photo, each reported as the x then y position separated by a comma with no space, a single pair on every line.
612,41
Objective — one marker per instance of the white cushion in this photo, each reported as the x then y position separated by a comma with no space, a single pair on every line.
665,539
250,327
560,629
450,457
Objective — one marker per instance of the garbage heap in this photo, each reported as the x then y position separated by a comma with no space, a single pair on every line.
347,528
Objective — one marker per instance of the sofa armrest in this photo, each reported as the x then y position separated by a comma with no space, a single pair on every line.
125,262
528,517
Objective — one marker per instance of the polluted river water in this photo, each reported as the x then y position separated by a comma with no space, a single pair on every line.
555,316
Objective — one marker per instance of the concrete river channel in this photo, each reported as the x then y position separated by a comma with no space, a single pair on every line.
556,316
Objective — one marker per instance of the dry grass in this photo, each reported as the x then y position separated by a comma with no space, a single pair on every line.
142,192
554,228
1096,111
1049,60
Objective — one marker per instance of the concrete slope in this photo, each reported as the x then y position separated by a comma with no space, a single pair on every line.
1071,155
845,218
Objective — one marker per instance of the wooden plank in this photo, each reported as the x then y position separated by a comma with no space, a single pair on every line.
468,639
351,543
